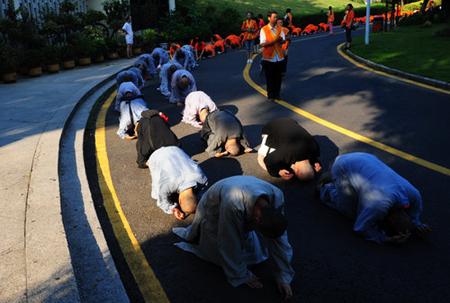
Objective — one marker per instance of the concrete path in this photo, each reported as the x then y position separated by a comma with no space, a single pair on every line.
36,264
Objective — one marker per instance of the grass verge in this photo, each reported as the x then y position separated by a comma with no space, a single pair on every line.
306,7
411,49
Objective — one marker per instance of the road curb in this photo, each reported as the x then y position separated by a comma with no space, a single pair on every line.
396,72
92,264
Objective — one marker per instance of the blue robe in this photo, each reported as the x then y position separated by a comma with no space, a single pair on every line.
365,189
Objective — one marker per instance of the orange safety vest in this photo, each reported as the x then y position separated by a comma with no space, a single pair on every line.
285,45
269,51
249,25
331,17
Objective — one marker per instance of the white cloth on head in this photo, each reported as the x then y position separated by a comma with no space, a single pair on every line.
195,102
173,171
220,231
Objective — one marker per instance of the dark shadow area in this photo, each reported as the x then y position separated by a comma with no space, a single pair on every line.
218,169
328,151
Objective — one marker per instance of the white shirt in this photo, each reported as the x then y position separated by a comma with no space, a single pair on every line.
263,39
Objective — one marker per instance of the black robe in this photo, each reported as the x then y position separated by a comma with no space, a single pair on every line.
153,132
291,142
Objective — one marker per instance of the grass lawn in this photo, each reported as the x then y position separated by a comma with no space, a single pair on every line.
411,49
304,7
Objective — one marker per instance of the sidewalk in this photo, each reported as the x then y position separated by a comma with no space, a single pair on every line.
35,262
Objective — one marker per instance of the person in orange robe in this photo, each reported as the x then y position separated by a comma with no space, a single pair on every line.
219,47
215,38
209,50
173,49
233,41
297,31
199,47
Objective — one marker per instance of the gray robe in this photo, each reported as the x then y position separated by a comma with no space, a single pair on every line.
219,234
220,126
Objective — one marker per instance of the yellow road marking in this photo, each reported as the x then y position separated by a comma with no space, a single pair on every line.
376,144
148,284
339,50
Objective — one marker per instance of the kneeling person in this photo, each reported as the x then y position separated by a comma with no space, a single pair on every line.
288,150
386,206
224,229
153,132
224,134
174,173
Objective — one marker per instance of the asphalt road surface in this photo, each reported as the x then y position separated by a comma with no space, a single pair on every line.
332,263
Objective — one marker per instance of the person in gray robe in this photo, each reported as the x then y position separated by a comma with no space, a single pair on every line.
160,57
175,176
183,83
224,229
165,77
150,64
185,58
224,134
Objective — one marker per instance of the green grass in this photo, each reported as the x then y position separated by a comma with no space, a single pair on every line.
303,7
411,49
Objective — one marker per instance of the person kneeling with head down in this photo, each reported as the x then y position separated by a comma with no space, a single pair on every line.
176,181
386,206
225,227
224,134
288,150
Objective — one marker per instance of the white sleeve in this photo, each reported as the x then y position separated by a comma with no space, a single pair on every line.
262,37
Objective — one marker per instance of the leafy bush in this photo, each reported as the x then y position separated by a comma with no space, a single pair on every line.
52,53
150,38
33,58
9,58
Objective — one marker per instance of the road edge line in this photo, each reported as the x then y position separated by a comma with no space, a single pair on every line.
143,274
344,131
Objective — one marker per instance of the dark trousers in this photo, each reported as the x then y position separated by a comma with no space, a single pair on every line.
273,71
348,34
285,63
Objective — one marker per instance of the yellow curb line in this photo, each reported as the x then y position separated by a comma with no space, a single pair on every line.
376,144
146,280
351,60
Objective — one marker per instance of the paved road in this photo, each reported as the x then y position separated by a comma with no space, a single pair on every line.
332,263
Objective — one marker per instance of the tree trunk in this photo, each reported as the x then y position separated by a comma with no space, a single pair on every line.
424,6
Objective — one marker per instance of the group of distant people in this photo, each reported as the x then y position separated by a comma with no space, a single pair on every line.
230,213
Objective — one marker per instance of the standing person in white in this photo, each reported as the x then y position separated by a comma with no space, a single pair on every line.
128,30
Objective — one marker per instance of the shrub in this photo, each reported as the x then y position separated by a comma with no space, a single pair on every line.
52,53
33,58
9,58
